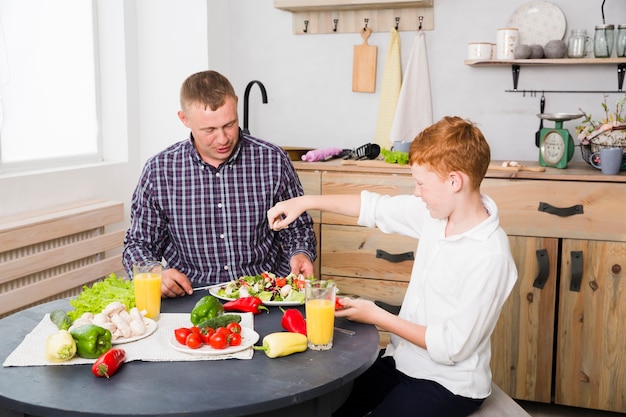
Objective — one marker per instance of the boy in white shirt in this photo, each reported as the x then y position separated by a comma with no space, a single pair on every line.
437,363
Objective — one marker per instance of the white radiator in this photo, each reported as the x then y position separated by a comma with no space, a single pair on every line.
52,254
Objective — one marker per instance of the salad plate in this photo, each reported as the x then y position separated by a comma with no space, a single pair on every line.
538,22
248,338
151,327
273,290
214,293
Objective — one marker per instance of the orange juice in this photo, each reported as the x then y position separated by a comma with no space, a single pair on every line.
320,322
148,293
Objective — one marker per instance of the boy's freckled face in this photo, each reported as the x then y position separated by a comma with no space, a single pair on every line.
433,190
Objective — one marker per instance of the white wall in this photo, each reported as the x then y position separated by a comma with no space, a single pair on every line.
308,77
308,81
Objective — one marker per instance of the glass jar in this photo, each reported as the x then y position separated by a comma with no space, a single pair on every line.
576,44
620,42
603,41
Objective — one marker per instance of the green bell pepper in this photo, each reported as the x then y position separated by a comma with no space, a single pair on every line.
91,340
208,307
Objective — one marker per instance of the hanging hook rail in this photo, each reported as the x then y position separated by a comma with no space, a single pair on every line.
335,21
421,20
366,20
306,26
397,23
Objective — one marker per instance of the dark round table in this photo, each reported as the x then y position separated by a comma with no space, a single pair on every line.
304,384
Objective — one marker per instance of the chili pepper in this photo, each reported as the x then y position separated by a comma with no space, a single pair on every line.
108,363
246,304
282,344
91,340
293,321
208,307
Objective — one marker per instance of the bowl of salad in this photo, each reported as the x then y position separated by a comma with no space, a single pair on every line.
272,289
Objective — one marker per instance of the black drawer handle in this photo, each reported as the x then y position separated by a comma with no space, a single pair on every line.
400,257
561,211
544,269
577,271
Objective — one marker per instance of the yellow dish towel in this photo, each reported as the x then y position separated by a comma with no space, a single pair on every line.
390,91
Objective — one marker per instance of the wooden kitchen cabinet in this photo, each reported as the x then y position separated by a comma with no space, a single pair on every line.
554,342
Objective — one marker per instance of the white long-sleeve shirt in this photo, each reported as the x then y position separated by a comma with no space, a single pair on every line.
457,288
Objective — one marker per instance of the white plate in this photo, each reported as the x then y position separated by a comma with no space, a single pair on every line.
248,338
151,327
213,292
538,22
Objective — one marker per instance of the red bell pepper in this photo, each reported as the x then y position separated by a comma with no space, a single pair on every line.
293,321
246,304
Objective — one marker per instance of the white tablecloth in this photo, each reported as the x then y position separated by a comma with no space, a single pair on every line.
154,348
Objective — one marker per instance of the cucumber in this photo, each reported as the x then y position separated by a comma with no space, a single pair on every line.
220,321
61,319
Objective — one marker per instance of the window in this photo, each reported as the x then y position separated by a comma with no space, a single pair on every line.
48,84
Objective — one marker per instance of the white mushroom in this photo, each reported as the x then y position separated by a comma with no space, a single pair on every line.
137,327
121,325
114,307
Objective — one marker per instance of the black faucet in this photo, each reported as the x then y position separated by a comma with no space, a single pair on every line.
245,102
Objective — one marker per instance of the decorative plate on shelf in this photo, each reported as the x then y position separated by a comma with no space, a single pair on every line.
538,22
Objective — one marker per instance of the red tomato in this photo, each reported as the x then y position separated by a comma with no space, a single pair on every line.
281,282
181,334
338,305
194,340
234,327
206,335
218,340
195,329
223,330
234,339
299,283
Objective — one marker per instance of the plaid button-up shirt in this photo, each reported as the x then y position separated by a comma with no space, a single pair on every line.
211,223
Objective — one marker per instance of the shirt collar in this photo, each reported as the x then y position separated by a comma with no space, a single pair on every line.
483,230
234,157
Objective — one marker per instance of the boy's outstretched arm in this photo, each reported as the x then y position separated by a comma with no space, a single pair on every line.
285,212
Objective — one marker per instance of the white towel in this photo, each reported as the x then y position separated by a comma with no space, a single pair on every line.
157,347
390,91
414,112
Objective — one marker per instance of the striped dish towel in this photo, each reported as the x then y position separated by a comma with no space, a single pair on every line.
414,112
390,91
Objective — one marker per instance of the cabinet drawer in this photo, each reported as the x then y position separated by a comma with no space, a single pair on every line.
351,251
349,183
518,203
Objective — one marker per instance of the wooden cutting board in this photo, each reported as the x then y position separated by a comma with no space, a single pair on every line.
364,65
500,167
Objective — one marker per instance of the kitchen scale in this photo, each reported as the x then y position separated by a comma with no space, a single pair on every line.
556,145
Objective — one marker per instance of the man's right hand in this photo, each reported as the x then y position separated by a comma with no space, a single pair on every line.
175,284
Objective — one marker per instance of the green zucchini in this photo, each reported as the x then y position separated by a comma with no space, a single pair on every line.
220,321
61,319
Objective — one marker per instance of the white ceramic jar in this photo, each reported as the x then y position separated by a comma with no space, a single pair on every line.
506,41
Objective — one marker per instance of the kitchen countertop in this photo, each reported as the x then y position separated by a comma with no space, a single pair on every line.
576,171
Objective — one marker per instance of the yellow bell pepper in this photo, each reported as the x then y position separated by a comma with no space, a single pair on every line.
282,344
60,346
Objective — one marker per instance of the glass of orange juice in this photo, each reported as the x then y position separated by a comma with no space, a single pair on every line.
147,282
320,313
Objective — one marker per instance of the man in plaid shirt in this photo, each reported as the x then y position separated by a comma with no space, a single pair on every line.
200,205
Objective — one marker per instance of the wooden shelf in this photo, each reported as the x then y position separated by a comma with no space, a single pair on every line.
516,65
320,5
545,61
351,16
